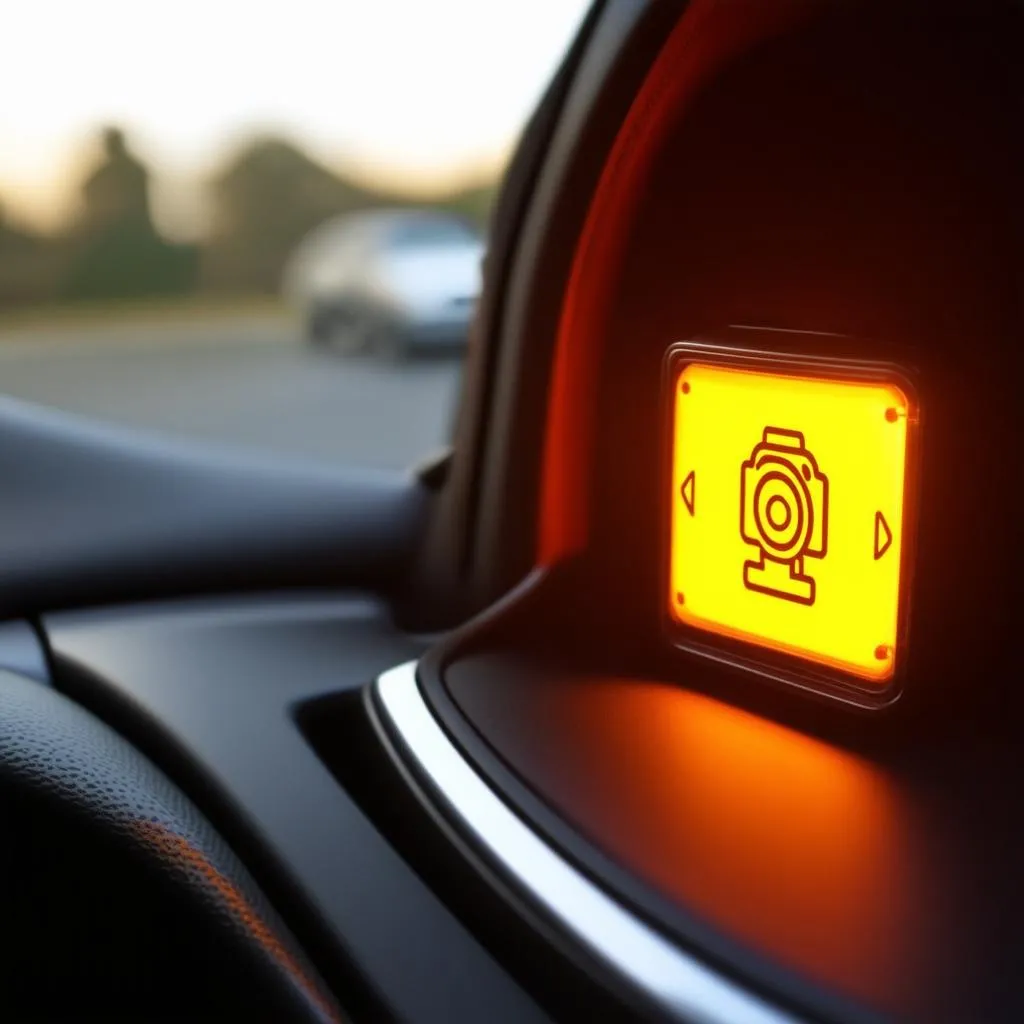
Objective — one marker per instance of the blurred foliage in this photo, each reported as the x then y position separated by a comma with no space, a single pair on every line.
271,194
265,198
474,203
264,201
113,250
29,265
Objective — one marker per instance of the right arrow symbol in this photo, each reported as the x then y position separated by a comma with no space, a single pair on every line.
688,489
883,536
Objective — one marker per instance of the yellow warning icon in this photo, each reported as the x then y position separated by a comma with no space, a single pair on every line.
795,540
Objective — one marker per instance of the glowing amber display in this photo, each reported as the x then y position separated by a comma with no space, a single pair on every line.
787,524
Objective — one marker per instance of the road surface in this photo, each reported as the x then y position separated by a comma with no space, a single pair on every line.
250,383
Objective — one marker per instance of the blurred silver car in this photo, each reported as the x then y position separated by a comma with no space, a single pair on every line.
387,282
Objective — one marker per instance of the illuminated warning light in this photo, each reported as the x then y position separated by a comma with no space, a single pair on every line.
788,510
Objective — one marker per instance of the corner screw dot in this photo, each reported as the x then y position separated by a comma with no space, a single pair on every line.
882,652
679,598
892,414
686,387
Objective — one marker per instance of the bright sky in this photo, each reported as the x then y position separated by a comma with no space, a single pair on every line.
419,92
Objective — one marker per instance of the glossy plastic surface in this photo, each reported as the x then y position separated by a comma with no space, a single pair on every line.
858,878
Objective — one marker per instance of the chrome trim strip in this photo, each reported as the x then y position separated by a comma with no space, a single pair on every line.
674,980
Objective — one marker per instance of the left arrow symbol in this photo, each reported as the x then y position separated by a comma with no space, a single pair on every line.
688,491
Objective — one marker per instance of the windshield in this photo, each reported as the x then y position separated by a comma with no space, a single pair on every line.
175,200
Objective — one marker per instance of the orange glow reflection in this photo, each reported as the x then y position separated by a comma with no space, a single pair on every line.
785,843
776,837
177,850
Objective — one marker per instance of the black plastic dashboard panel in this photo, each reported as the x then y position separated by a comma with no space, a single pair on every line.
96,514
854,175
210,691
854,875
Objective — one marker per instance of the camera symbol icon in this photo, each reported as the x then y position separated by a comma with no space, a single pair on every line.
783,512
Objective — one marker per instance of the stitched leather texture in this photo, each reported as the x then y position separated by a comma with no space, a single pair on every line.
120,900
